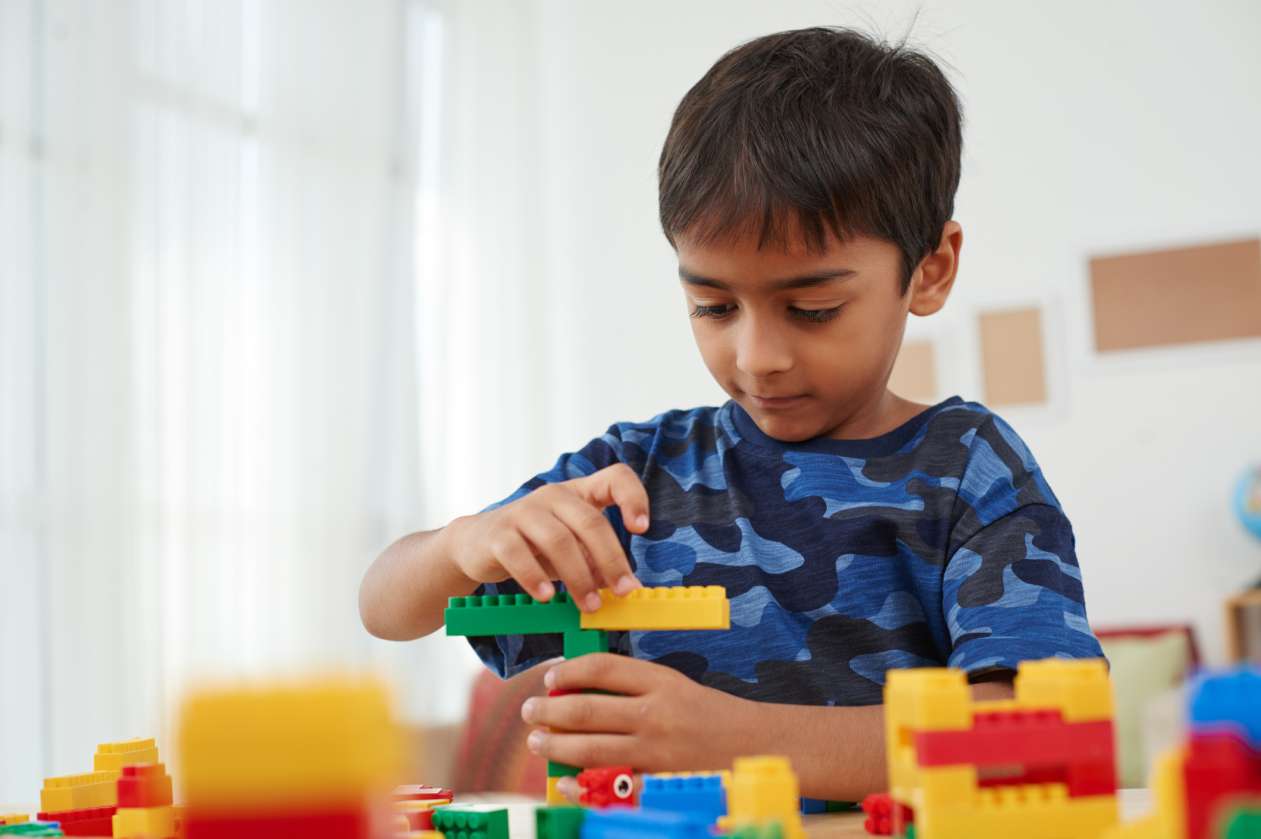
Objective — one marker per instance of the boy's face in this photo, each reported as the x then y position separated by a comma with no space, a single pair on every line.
803,341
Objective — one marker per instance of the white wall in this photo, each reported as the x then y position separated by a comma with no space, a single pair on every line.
1090,128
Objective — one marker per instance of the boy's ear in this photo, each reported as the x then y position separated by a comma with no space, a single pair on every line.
935,276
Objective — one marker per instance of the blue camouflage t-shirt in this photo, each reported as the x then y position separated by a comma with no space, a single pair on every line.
938,543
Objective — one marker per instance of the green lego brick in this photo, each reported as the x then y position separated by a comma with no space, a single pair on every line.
559,822
561,770
30,829
510,614
1244,823
464,823
582,641
765,830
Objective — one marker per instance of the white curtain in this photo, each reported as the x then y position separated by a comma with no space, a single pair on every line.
263,308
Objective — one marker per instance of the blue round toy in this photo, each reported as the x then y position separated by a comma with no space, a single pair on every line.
1248,500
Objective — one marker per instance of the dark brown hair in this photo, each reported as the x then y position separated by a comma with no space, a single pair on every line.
817,127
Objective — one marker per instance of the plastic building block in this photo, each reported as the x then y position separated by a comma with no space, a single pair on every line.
1168,821
761,790
1217,767
112,757
554,796
417,792
324,745
146,785
510,614
471,823
559,822
1078,688
661,608
79,792
255,824
31,829
561,770
703,794
141,822
766,830
882,813
583,641
91,822
625,823
1242,823
1231,701
13,818
608,786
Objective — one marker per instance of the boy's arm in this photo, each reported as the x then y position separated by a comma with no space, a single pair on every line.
660,720
404,592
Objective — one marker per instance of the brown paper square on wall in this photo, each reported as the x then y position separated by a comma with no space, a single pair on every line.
1180,296
1012,358
915,371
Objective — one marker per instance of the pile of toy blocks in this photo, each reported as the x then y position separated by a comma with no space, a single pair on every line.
1210,786
1040,766
107,801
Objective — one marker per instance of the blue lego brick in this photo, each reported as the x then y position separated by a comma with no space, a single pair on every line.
1229,700
810,806
625,823
703,795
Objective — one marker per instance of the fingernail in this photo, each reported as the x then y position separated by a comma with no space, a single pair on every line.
549,679
642,522
527,710
535,741
593,602
545,591
626,584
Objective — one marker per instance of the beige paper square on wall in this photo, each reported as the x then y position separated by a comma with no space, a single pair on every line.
1012,358
915,372
1179,296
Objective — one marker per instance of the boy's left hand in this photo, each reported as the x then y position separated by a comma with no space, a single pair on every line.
660,720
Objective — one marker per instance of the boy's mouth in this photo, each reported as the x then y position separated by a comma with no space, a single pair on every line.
775,402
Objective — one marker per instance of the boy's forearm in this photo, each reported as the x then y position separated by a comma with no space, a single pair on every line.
837,753
403,594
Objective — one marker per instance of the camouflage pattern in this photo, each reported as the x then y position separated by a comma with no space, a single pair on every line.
937,543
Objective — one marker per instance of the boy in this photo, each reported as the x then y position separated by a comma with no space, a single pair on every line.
807,185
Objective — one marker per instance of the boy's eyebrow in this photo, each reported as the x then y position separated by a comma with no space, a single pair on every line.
804,281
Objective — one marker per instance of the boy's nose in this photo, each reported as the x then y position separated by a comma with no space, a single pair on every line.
762,351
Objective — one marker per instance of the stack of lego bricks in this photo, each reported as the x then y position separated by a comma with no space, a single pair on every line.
315,759
85,804
415,804
1041,766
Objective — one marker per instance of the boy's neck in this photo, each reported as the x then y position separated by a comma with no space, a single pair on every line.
879,416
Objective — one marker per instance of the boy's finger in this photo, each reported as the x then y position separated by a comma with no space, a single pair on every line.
513,553
618,485
603,671
584,712
595,533
582,749
552,538
570,788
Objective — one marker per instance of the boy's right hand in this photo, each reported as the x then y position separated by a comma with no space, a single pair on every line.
558,532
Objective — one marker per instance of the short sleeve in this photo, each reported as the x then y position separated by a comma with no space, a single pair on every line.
1012,587
508,655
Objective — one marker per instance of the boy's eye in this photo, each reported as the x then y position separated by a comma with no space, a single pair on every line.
816,315
700,311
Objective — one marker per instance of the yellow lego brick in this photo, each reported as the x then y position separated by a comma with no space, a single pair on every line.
423,834
661,608
113,757
144,822
273,745
79,792
764,789
554,796
1032,811
1168,820
919,699
1079,688
14,818
420,805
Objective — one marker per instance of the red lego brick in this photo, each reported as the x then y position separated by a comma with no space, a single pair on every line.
419,792
884,815
608,786
144,785
1219,766
329,824
420,820
95,821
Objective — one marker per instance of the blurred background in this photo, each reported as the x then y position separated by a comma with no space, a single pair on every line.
283,281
